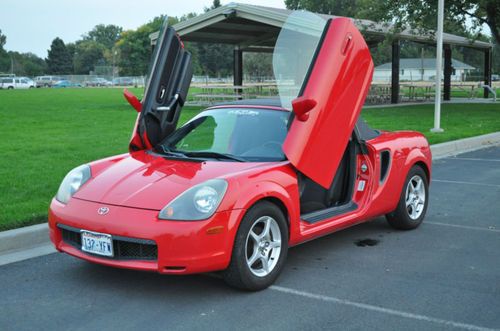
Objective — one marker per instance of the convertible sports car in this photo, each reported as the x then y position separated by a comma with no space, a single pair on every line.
240,183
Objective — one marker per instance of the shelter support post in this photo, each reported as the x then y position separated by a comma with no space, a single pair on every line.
238,68
447,72
395,72
487,70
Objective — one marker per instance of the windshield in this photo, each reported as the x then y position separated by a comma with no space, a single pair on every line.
237,133
294,53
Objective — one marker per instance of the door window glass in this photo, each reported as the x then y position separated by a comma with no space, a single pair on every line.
294,53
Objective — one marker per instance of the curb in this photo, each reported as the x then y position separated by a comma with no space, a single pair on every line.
25,243
36,237
27,237
455,147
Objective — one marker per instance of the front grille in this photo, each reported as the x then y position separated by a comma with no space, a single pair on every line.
125,248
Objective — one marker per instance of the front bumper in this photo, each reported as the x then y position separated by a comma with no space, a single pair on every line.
182,247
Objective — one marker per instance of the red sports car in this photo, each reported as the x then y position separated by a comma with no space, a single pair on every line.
240,183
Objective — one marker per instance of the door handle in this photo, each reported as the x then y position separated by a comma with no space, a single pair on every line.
347,43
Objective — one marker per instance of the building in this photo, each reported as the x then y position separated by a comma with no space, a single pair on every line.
418,69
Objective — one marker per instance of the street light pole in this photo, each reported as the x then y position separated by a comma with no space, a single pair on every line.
439,57
114,54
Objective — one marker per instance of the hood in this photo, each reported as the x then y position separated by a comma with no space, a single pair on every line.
148,181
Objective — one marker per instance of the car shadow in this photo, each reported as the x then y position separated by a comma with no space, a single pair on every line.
132,282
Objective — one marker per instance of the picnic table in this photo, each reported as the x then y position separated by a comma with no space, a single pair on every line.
379,94
222,92
466,87
425,91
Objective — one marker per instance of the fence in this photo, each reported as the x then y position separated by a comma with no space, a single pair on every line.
84,80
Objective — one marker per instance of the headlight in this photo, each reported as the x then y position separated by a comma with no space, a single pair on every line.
197,203
72,183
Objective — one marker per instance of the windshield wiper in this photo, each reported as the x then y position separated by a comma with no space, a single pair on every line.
215,155
162,149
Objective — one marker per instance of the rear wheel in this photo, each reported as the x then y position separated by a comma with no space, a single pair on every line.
260,248
413,202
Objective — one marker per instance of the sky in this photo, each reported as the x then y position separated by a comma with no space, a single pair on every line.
31,25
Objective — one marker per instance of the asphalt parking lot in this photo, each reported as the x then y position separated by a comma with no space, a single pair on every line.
444,275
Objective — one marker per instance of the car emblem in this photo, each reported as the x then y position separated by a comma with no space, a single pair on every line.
103,210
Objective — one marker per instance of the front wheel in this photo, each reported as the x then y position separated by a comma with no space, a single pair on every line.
413,202
260,248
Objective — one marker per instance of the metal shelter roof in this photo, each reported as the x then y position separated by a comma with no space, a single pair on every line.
257,27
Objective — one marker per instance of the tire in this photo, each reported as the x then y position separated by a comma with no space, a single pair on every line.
250,244
413,202
10,88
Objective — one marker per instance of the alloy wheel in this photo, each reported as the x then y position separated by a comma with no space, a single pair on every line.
263,246
415,197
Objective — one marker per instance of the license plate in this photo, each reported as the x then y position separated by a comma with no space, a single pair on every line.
97,243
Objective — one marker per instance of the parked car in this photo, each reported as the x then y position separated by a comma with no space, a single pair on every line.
16,83
123,81
98,82
66,83
237,185
495,78
46,81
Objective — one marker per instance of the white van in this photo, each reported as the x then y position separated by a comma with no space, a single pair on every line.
46,81
10,83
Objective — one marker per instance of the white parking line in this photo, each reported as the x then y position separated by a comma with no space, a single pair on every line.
472,159
465,183
378,309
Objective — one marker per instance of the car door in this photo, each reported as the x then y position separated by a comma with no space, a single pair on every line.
166,90
24,83
329,100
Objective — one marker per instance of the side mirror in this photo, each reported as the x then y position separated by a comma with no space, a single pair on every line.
132,100
302,106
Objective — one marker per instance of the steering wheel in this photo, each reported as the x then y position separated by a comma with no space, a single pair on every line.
273,144
274,147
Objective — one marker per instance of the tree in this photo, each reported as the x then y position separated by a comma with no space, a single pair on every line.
469,14
3,40
496,59
4,57
462,17
348,8
106,35
258,65
59,60
215,4
33,65
87,54
214,59
134,47
26,64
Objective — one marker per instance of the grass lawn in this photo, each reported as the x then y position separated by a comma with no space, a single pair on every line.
46,132
458,120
